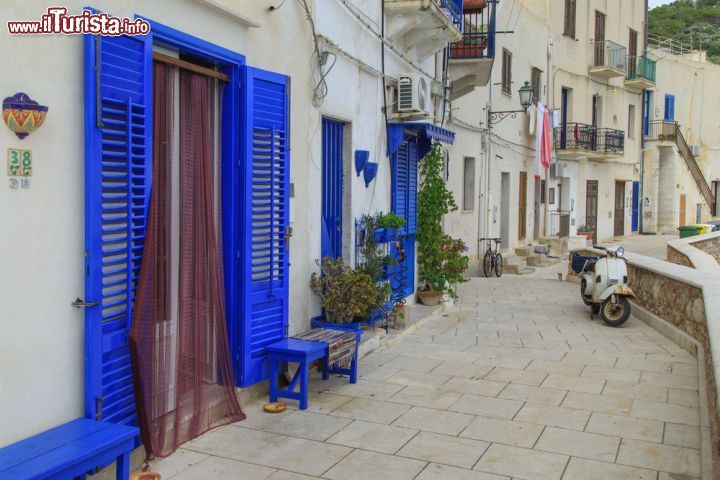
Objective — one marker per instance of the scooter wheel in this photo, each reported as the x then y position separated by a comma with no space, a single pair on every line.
615,313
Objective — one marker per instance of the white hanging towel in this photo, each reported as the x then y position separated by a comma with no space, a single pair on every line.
533,120
538,139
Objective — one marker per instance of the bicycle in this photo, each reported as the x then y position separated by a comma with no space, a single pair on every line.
493,259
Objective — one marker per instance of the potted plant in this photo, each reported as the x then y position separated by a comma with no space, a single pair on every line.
347,295
371,259
390,223
441,258
585,231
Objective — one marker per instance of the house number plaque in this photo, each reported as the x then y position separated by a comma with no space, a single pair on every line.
19,162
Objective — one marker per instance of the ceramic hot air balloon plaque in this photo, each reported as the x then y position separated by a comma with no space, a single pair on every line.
23,115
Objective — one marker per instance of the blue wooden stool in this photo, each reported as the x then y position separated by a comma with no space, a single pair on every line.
302,352
70,451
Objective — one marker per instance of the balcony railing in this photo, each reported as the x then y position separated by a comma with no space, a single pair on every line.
660,130
478,29
641,68
580,136
610,55
453,10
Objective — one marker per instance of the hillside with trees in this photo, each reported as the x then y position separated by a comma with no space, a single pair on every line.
695,23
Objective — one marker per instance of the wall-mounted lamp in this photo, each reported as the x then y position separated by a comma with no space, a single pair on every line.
526,93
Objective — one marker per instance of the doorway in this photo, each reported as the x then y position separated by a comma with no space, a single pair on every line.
564,110
599,39
591,206
635,206
522,207
539,206
619,213
505,210
332,188
682,210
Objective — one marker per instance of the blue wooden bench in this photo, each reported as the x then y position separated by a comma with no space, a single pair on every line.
303,352
70,451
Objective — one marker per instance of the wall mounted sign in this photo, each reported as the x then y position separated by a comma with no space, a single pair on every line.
19,162
23,115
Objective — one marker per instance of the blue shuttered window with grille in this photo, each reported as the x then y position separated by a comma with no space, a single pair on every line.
117,185
265,219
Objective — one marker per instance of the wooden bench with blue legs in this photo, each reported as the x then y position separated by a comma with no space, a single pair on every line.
303,352
70,451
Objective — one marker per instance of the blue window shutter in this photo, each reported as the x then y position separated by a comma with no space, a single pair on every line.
404,187
400,180
118,155
266,184
669,108
412,188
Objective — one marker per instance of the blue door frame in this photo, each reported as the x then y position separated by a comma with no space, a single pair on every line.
635,206
332,187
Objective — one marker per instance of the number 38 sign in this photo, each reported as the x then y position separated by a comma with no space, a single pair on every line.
19,162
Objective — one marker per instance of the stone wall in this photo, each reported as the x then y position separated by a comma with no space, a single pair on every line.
676,256
710,246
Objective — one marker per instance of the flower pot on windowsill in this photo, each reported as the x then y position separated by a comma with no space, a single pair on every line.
430,298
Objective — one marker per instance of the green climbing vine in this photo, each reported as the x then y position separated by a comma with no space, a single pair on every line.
442,260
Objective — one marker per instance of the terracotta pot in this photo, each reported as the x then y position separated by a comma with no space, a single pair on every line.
587,235
430,297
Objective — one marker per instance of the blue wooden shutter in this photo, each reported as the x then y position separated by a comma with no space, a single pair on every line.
412,187
669,108
118,154
404,187
400,180
266,186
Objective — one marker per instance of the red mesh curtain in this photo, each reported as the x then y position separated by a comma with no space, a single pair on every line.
181,356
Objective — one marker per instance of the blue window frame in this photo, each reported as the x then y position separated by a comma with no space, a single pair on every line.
669,108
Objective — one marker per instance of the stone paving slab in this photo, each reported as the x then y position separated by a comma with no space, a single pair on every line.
515,382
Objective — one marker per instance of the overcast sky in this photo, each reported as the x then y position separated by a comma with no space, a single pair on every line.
655,3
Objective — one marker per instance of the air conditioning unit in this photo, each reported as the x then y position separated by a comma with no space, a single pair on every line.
557,170
413,94
695,150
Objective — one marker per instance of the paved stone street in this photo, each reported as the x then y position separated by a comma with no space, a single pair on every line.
516,382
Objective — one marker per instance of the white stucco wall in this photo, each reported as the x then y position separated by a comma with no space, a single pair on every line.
42,231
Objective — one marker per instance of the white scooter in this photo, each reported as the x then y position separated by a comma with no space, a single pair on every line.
603,284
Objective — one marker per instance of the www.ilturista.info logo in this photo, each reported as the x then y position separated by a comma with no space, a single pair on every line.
57,22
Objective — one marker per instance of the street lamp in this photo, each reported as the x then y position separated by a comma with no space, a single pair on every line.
526,92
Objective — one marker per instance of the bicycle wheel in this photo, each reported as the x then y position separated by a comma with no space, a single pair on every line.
487,264
498,265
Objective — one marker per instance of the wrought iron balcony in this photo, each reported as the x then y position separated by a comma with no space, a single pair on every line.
609,59
478,29
580,137
454,11
641,72
471,58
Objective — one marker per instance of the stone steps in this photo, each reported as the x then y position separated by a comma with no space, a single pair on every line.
516,265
